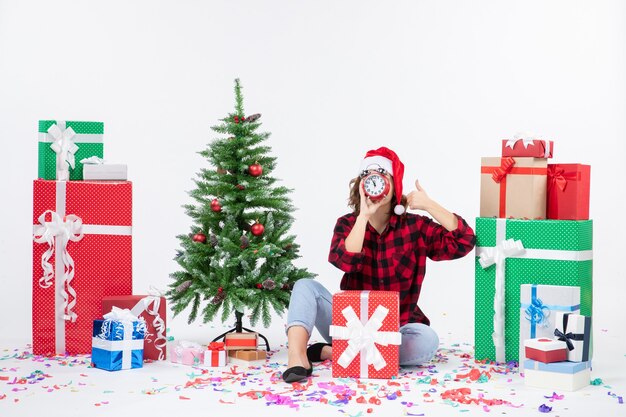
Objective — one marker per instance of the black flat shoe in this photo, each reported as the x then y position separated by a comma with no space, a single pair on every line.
297,374
314,352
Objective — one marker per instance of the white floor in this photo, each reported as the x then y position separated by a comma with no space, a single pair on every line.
31,386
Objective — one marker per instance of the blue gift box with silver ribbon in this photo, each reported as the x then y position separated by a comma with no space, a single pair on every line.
117,341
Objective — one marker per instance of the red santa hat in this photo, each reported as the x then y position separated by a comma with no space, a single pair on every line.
388,160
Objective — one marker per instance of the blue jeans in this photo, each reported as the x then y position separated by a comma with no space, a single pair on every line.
311,306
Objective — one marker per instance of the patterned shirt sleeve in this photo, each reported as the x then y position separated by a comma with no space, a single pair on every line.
339,256
444,245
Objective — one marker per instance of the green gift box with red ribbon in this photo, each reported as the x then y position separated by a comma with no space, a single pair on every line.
568,191
513,187
512,252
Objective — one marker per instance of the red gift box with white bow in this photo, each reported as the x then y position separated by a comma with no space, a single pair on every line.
527,146
82,252
365,331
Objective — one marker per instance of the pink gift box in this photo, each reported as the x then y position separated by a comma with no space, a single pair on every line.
187,353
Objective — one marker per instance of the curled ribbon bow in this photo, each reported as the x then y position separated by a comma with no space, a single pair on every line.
536,312
151,305
506,165
124,316
64,147
59,231
216,346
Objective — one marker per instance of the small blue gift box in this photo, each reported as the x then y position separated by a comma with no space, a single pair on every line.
117,344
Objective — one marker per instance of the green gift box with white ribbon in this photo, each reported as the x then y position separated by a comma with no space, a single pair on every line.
512,252
63,144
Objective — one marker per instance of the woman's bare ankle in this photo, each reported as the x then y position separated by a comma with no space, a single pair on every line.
327,353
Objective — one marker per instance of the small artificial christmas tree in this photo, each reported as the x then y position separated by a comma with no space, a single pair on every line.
238,255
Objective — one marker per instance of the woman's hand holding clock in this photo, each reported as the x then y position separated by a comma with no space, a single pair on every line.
368,206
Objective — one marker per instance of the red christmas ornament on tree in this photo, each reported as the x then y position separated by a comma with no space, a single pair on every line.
255,169
215,205
199,237
257,229
259,286
240,187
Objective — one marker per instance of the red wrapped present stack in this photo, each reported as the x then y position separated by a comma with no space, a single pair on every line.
152,310
365,334
82,248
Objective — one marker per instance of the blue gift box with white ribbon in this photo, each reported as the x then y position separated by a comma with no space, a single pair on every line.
117,343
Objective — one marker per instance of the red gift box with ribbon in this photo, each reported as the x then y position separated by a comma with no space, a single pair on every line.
527,146
365,332
545,350
215,355
152,309
82,252
513,187
568,191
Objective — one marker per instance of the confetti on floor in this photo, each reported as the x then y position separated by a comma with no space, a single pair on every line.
453,380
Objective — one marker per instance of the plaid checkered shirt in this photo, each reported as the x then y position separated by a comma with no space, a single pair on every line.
396,259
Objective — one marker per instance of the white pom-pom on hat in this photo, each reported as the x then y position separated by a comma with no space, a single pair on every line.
399,209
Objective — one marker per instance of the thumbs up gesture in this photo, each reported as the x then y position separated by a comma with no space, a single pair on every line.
418,199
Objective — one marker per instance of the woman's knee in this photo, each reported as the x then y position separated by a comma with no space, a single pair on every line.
307,286
419,344
303,284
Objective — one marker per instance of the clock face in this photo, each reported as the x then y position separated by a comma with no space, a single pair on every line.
375,185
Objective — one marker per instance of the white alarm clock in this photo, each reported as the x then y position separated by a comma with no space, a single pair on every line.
375,186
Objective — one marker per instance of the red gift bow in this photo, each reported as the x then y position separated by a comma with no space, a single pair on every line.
558,177
216,346
506,164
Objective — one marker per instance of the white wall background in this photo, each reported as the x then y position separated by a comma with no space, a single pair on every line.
441,82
